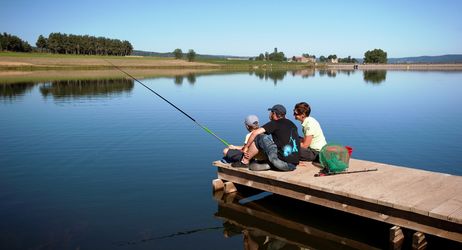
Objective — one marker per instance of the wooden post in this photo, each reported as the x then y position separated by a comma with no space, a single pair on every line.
418,241
396,238
229,187
217,185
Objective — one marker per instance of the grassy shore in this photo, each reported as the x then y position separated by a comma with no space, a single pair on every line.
43,61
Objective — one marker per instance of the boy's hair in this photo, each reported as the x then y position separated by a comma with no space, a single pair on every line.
302,108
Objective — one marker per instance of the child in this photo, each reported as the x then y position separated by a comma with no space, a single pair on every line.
234,153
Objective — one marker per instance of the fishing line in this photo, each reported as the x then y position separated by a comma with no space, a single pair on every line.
173,105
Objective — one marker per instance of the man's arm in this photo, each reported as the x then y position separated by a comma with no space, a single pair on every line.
252,138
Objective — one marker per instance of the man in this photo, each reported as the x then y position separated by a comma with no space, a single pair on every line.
278,139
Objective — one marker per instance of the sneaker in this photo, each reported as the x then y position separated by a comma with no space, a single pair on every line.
239,164
254,166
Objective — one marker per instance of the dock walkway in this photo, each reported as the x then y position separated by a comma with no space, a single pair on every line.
427,202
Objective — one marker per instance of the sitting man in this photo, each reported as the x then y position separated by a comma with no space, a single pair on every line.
278,139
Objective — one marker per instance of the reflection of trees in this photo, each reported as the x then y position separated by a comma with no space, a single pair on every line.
305,73
82,88
273,75
191,77
10,91
178,80
375,76
347,72
328,72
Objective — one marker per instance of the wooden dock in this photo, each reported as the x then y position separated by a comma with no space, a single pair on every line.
423,201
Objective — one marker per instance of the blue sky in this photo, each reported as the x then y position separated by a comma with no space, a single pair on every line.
247,28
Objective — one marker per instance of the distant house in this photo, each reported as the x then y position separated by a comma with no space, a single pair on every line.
332,60
303,59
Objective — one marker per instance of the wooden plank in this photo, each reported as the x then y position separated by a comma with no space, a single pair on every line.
406,196
456,216
449,190
447,208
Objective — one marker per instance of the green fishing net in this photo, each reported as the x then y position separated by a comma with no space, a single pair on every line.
334,158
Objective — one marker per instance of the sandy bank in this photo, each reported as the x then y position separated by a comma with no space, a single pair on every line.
63,62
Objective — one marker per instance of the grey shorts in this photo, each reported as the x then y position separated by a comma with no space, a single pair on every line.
233,155
309,154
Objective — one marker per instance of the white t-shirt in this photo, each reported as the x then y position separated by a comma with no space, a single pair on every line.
311,127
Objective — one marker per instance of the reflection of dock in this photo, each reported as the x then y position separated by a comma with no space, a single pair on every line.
423,201
254,222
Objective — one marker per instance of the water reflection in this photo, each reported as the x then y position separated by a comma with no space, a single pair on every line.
87,88
265,224
191,78
275,76
304,73
334,72
374,76
12,91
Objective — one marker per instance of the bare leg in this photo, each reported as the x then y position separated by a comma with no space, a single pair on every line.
253,150
225,151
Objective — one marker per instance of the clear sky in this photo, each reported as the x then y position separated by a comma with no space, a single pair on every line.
249,27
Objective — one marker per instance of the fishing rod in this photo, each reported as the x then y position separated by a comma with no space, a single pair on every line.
346,172
173,105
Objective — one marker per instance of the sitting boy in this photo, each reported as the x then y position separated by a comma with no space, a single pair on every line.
234,153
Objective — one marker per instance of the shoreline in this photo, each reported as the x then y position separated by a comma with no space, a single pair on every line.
413,66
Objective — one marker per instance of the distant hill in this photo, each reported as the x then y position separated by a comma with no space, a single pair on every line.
170,54
428,59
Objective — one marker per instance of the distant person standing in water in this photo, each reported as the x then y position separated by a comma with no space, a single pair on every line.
278,139
313,139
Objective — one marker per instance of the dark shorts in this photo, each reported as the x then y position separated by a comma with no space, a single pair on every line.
309,154
233,155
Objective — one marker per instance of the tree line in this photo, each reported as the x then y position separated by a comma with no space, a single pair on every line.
61,43
13,43
83,45
275,56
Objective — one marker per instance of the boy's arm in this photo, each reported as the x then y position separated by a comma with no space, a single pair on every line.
252,138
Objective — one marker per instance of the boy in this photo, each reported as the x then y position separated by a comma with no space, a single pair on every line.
234,153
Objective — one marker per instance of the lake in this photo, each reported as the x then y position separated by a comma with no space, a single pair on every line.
106,164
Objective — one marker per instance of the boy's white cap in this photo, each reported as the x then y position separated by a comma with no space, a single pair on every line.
251,120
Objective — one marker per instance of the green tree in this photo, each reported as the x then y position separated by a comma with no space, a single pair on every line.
191,55
322,59
13,43
178,53
375,56
41,43
261,57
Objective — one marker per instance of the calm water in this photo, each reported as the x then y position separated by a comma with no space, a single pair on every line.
108,165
